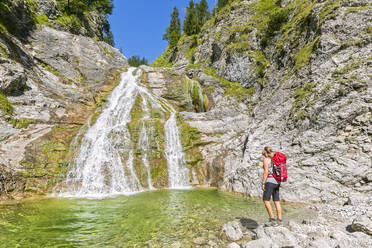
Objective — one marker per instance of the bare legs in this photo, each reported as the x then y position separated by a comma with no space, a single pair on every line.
270,210
278,209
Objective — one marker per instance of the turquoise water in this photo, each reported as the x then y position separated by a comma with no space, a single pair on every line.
151,219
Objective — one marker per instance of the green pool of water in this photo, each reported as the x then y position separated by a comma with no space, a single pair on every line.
151,219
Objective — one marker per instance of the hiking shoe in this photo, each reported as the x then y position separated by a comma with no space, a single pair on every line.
271,222
279,222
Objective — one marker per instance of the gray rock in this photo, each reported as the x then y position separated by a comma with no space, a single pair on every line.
48,8
362,224
233,245
12,77
232,231
280,236
258,243
320,243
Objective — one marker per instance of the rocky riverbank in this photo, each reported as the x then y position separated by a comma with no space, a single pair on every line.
334,226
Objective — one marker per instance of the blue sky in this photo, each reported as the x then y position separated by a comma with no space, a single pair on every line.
138,25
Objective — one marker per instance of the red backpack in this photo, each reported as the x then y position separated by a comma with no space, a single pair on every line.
279,167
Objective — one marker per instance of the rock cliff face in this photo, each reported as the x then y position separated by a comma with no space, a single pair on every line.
303,73
51,82
293,74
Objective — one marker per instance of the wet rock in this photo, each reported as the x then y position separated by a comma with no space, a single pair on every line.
212,243
232,231
362,224
199,241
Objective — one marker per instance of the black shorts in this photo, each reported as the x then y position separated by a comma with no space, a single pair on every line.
271,189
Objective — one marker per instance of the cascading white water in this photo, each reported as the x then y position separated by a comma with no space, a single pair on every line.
144,141
98,168
104,164
178,172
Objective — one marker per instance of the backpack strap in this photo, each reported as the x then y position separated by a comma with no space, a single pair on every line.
272,168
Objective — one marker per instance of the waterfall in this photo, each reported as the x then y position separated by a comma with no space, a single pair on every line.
178,172
105,162
144,141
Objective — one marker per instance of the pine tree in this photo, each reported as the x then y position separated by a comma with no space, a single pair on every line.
220,4
190,25
137,61
173,32
202,13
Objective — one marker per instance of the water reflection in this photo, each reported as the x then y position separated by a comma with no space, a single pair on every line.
150,219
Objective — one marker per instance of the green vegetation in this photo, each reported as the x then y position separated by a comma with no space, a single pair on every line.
269,18
173,32
48,158
356,9
21,122
42,19
369,29
346,69
261,63
220,4
102,99
74,16
136,61
303,101
5,106
190,140
298,23
7,109
196,15
108,52
304,54
74,11
164,59
232,89
7,24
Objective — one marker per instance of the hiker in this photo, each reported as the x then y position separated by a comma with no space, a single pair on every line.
270,187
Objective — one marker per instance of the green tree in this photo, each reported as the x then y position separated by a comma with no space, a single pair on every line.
137,61
74,11
173,32
203,14
220,4
190,24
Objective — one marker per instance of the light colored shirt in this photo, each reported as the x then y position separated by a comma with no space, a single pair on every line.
271,179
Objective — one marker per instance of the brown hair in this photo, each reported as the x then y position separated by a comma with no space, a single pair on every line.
269,150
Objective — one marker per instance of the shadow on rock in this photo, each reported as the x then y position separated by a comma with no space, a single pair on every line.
248,223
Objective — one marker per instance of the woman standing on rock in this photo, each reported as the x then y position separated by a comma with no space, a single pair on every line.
270,187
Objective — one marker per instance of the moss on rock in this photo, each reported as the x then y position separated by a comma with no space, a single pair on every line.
190,140
46,160
5,105
232,89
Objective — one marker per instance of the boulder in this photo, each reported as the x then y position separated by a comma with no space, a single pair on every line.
12,77
362,224
232,231
258,243
280,236
233,245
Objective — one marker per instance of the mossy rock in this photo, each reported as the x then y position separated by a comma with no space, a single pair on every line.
46,159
